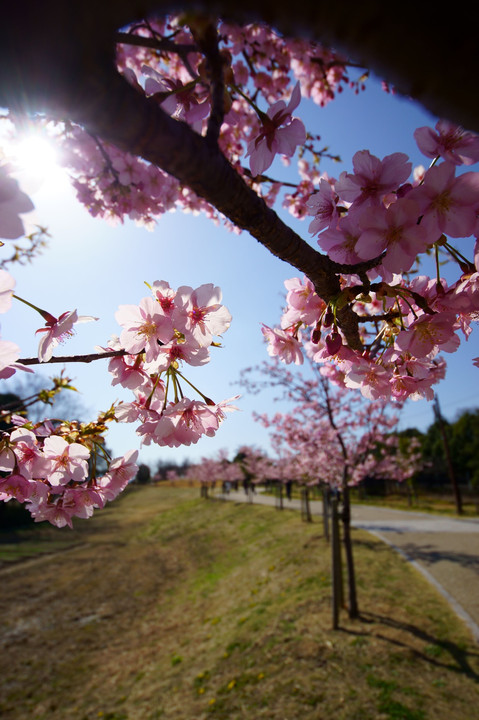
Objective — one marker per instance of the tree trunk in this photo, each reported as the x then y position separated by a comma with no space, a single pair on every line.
336,565
348,548
326,513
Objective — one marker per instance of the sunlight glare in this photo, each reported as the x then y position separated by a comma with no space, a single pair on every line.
35,161
35,154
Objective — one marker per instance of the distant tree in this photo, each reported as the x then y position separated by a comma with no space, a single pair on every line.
463,438
166,466
143,476
465,446
47,397
10,403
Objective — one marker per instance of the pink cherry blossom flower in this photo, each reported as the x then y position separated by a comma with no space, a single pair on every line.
120,472
127,372
13,202
81,501
323,206
475,361
273,138
224,406
304,305
180,350
429,333
395,230
30,458
199,313
340,242
54,513
14,486
183,423
145,326
371,379
165,295
450,141
57,331
9,352
68,460
372,177
283,344
448,203
176,99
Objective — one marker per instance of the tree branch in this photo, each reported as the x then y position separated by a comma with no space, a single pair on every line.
74,358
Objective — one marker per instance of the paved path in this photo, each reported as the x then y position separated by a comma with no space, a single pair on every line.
445,550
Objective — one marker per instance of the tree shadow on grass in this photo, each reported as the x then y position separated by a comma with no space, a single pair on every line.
460,657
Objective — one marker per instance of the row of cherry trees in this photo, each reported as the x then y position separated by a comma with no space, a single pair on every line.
201,109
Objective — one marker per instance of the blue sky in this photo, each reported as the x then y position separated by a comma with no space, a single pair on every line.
94,268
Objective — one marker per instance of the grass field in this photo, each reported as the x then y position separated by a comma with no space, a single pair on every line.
168,606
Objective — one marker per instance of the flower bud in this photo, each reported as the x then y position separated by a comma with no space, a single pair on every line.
334,342
316,334
328,318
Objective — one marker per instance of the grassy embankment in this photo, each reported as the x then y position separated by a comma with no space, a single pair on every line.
165,606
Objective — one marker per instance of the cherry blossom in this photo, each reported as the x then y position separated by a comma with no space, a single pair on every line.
448,141
68,461
9,353
199,313
394,229
364,316
323,206
448,203
57,330
429,333
120,472
144,327
372,177
273,138
283,344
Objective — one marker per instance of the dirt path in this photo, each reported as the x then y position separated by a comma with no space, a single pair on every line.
445,550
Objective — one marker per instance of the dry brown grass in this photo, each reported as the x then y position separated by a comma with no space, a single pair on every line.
165,606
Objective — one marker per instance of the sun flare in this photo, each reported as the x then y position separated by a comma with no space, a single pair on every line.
34,161
35,154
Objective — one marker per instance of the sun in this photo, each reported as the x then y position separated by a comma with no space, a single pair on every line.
36,155
34,160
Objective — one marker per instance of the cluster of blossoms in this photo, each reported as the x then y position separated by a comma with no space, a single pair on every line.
331,436
53,470
165,330
376,217
372,223
52,466
259,99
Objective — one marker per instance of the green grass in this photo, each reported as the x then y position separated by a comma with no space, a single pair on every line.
168,606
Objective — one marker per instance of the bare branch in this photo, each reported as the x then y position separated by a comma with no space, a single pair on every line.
75,358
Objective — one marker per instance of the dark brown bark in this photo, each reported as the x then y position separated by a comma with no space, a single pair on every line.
47,48
58,57
353,608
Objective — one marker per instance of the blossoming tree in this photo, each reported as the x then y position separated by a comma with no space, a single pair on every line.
189,111
331,436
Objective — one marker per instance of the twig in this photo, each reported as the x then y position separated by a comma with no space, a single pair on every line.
75,358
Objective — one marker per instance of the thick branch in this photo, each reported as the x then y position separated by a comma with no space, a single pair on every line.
59,57
137,124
